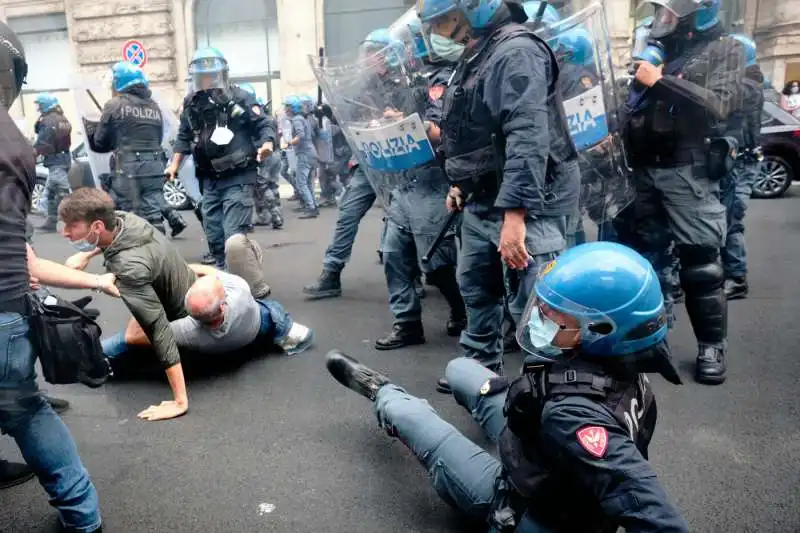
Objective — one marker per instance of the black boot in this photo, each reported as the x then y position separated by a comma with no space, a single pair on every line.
12,474
510,344
403,334
328,285
48,227
736,288
57,404
354,375
207,259
175,221
444,279
711,366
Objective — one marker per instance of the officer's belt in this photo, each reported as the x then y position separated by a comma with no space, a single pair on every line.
140,156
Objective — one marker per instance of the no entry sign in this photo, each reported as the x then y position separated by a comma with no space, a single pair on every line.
134,52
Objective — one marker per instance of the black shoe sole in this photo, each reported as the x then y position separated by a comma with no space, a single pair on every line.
17,481
443,390
710,380
737,295
176,232
322,295
352,374
389,347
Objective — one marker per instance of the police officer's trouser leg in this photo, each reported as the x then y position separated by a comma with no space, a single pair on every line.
463,474
303,177
56,189
260,199
357,200
151,200
736,188
273,205
226,212
467,377
484,280
696,219
400,267
440,271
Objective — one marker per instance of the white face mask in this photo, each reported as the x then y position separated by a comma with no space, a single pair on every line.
446,48
542,332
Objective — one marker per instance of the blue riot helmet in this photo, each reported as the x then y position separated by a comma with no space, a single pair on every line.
249,88
307,103
477,12
46,102
596,301
293,104
573,46
419,48
126,75
209,70
549,17
750,52
387,48
680,17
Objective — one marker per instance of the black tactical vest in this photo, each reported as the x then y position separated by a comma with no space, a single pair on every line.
205,115
472,143
56,153
551,498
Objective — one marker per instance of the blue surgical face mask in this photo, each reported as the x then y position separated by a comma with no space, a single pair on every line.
83,245
446,48
542,332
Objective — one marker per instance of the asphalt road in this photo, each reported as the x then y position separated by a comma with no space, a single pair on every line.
277,445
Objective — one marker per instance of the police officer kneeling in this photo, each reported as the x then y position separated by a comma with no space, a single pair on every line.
574,429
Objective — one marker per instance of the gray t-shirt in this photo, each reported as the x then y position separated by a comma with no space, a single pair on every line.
240,327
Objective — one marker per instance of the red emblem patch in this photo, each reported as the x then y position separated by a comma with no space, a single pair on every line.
594,440
436,92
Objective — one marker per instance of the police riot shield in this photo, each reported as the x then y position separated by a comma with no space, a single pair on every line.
588,90
378,97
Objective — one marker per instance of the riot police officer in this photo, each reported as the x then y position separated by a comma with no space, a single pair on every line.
736,187
267,197
574,429
302,141
509,157
676,137
225,130
131,126
53,139
416,213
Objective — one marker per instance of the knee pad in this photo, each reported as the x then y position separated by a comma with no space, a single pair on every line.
702,279
697,255
705,298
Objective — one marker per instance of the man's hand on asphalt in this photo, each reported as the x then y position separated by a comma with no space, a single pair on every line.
164,411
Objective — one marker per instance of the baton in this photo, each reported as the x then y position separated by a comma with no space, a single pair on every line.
539,14
94,100
443,232
319,87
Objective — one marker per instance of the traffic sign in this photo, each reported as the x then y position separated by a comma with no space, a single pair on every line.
134,52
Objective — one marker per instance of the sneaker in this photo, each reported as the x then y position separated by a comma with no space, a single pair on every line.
298,340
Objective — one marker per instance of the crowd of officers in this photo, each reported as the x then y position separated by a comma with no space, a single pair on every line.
574,428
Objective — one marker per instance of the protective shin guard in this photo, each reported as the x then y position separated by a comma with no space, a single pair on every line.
705,299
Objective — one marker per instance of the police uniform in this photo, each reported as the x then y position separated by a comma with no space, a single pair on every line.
227,173
415,216
53,139
132,127
507,146
306,155
670,131
737,186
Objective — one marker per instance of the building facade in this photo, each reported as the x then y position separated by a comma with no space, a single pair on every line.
269,43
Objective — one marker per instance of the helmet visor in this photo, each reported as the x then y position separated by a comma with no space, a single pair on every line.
205,81
550,322
665,21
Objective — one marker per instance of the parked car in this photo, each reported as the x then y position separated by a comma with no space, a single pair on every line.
780,141
81,175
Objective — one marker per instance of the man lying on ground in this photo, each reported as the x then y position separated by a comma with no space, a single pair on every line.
158,287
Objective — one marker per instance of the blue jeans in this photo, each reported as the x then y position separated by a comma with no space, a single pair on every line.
735,191
304,178
463,474
227,211
275,324
42,437
357,200
487,285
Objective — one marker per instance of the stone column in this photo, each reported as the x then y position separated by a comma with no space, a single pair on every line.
777,36
620,27
299,38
